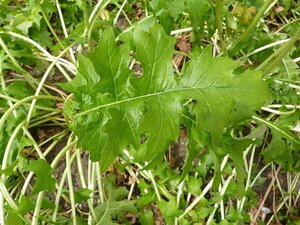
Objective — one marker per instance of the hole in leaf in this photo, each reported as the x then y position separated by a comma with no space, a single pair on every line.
144,138
136,66
178,62
137,70
119,42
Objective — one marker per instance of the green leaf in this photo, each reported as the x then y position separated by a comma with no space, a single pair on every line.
9,170
224,99
200,11
203,212
26,205
114,134
169,210
145,199
236,149
283,150
24,26
147,194
167,12
13,218
43,171
284,146
19,90
236,216
115,207
6,131
82,195
147,217
43,37
194,185
48,204
115,108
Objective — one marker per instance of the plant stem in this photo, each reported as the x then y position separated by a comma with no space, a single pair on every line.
51,28
249,172
43,121
37,208
8,153
39,47
278,55
62,180
99,182
6,195
32,82
272,125
21,102
83,184
154,186
43,80
70,184
59,191
265,197
218,9
63,25
204,191
263,48
246,35
86,19
8,98
43,115
119,12
93,22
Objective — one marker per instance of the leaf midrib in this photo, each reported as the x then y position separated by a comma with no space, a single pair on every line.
156,94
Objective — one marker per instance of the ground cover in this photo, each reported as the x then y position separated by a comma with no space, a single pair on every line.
149,112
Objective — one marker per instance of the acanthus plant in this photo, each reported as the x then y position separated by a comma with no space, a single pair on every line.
111,109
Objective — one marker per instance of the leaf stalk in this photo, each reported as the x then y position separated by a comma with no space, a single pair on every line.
246,35
218,10
273,60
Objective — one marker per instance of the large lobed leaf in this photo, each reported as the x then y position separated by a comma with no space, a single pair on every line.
112,108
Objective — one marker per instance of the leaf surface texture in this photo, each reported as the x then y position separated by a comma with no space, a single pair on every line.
112,108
